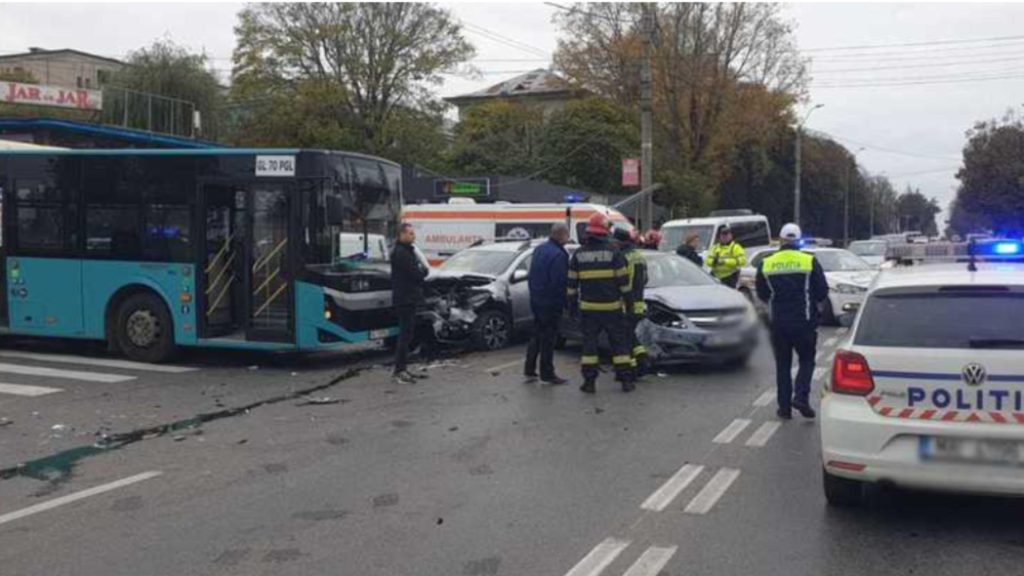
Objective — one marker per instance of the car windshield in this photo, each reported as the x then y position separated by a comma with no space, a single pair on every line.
675,235
671,270
840,261
943,320
868,248
488,262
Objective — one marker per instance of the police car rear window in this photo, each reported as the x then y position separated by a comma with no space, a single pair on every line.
946,319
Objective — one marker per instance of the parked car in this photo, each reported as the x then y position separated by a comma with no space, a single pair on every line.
871,251
848,275
480,296
692,318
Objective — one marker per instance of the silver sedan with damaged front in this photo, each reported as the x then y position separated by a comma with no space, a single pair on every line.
480,297
691,317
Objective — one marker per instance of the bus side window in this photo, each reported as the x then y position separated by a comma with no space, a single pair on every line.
111,209
44,203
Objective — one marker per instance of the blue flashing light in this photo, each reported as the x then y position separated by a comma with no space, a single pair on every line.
573,198
1006,248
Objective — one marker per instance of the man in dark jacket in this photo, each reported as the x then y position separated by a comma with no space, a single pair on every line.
793,284
688,249
549,271
407,275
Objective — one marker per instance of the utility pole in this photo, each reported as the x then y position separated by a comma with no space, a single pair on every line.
646,144
846,198
797,152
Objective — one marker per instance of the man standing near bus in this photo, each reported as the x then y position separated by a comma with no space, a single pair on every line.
549,270
726,257
408,273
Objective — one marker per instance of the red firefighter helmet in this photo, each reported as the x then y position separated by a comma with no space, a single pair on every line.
598,224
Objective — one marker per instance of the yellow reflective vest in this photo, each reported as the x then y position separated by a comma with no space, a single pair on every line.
726,260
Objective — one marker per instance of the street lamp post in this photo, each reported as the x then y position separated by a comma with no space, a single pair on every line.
797,154
846,198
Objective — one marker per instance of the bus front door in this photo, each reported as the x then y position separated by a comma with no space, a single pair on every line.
270,306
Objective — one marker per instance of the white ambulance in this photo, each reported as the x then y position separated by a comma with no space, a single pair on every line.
444,229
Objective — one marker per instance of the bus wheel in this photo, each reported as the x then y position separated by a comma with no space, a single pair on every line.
144,330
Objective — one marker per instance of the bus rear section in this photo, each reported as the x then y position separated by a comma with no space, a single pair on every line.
154,249
444,229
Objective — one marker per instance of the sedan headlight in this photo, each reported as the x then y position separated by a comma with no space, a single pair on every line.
849,289
681,323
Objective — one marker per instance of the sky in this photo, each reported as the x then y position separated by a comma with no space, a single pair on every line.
913,131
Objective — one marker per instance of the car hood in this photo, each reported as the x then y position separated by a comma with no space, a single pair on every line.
467,277
862,278
709,297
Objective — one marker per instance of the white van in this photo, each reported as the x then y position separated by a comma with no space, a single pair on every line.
750,230
444,229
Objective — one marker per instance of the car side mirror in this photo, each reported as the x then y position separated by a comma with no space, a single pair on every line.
520,275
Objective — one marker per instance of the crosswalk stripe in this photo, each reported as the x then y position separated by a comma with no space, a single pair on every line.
25,390
651,561
706,499
731,431
68,374
108,363
766,398
599,558
763,434
668,491
76,496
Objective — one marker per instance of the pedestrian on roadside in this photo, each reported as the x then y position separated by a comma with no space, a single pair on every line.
599,294
408,273
793,284
726,257
549,273
688,249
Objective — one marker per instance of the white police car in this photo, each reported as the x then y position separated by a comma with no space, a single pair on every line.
927,390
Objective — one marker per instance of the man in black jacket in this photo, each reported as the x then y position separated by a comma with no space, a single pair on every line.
407,275
793,284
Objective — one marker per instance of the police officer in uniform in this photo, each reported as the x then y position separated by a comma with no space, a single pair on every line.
636,267
598,290
793,284
726,257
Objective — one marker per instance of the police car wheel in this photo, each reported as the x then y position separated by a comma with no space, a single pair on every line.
143,328
843,492
492,330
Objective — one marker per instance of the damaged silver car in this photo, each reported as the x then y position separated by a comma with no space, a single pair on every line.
480,297
691,317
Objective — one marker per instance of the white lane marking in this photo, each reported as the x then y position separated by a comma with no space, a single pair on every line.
830,342
25,390
842,331
651,561
818,373
766,398
731,431
599,558
69,374
664,496
51,504
763,434
706,499
501,367
85,361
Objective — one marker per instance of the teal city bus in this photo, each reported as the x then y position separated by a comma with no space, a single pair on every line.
154,249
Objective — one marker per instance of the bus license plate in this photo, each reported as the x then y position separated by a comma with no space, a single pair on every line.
1004,452
379,334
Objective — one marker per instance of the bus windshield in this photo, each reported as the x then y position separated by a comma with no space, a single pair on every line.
673,236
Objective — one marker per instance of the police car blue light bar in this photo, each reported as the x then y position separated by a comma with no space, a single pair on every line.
1006,248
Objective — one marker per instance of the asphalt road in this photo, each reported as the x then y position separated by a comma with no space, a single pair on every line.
238,464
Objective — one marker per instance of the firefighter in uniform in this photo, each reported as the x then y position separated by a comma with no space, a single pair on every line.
636,267
726,257
793,284
598,289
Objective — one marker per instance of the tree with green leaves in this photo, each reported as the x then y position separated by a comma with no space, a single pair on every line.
498,137
917,212
357,73
183,82
992,177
